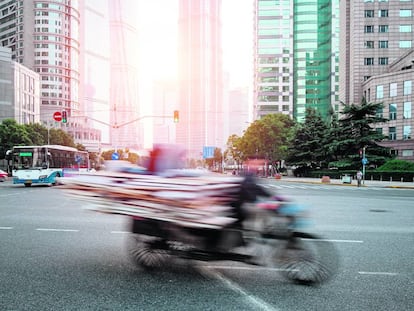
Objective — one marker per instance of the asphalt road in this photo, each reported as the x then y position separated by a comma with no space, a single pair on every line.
55,255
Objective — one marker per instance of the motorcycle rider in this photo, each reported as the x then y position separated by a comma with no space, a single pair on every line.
249,190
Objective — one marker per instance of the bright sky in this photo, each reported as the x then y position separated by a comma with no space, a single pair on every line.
156,41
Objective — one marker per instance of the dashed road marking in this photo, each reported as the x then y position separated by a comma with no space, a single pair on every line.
6,228
57,230
377,273
336,241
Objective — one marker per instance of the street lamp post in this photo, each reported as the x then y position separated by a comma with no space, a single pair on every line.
364,162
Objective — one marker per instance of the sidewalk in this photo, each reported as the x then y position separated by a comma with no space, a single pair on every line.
366,183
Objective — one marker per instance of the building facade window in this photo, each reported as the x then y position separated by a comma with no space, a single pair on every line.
407,87
392,134
383,28
407,110
369,28
383,44
393,89
369,13
369,44
407,152
380,91
405,44
383,13
406,132
379,112
405,28
392,111
369,61
405,13
383,61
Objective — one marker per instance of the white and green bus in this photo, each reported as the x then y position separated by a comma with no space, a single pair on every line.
42,164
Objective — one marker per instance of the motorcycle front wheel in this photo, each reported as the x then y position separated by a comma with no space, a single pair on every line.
147,251
307,259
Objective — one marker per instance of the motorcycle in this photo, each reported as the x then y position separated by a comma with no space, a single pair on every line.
267,233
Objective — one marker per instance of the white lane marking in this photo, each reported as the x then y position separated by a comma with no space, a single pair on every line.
120,232
377,273
276,269
57,230
252,300
6,228
335,241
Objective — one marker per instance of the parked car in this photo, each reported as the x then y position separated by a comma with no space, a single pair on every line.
3,175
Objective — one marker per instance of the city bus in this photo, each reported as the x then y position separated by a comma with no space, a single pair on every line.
42,164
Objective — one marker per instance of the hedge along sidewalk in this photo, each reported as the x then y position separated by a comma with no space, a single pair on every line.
338,181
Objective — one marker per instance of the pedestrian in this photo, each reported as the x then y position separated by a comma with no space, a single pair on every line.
359,178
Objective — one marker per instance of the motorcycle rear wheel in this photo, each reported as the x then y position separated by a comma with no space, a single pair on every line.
307,259
147,252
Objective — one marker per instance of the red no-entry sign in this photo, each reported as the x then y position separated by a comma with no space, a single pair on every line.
57,116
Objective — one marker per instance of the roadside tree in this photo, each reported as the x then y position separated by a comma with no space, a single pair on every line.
308,148
268,137
12,134
356,134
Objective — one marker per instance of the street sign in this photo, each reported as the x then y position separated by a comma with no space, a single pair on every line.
115,156
57,116
364,161
208,152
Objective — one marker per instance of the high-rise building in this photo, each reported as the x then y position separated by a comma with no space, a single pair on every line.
94,63
125,131
373,35
200,76
44,36
377,64
296,57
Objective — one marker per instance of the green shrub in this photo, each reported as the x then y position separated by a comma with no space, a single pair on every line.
396,165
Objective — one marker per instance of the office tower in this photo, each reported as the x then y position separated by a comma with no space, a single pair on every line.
94,63
377,64
124,113
373,35
200,76
44,36
296,57
16,30
54,50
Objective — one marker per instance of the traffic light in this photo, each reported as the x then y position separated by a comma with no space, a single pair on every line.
176,116
64,116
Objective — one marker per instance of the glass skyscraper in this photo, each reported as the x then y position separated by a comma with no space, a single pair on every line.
296,57
200,71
